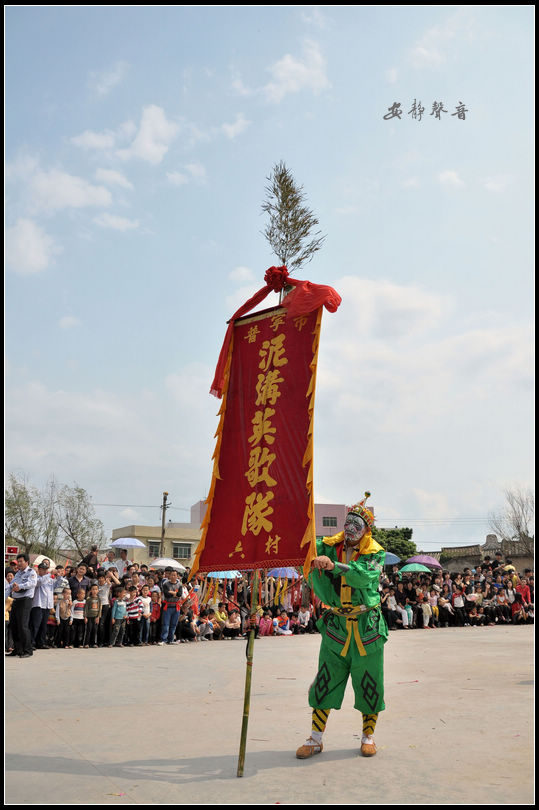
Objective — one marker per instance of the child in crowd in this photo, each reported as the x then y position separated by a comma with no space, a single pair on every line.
145,617
265,627
60,581
92,614
77,618
104,585
118,619
281,625
64,620
205,626
51,627
304,619
155,617
294,623
232,628
427,612
433,602
134,612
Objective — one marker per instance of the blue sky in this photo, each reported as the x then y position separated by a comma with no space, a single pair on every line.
138,142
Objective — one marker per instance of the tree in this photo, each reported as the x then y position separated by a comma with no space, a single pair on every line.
290,221
76,518
49,541
515,520
397,541
22,516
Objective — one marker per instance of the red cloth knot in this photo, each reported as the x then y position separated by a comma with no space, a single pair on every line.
275,277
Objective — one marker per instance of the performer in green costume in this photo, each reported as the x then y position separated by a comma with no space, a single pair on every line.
346,576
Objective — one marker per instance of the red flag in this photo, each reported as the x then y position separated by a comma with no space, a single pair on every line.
260,507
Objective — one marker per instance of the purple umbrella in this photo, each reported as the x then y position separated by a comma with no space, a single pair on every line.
424,559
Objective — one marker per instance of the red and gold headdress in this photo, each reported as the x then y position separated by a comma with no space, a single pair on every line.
361,510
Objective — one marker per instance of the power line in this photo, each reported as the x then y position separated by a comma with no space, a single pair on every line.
143,506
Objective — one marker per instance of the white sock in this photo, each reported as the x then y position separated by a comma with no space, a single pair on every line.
368,740
317,736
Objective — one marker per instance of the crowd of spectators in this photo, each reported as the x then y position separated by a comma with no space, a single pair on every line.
490,594
120,603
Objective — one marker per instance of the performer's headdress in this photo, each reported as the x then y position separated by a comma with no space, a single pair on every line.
361,510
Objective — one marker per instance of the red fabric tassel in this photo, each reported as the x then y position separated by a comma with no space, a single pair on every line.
303,299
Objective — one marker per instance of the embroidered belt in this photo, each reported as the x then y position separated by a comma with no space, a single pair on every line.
351,615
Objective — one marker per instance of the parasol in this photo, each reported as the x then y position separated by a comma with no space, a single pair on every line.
424,559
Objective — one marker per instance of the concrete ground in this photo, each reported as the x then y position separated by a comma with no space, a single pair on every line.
161,725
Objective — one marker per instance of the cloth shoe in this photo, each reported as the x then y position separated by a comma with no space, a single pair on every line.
309,748
368,748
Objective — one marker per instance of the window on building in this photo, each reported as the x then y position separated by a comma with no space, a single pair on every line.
329,521
181,551
154,549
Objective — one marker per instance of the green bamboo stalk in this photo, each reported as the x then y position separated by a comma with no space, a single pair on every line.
248,675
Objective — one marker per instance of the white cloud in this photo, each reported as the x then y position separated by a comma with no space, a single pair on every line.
292,75
401,385
95,140
240,88
498,182
315,17
116,223
450,179
54,190
192,171
69,322
197,171
104,81
235,129
154,137
132,517
241,275
29,249
112,177
22,167
391,75
177,178
441,42
240,295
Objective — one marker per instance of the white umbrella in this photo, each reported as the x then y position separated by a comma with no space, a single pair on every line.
40,558
163,562
127,542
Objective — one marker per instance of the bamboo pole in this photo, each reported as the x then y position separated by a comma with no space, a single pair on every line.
248,675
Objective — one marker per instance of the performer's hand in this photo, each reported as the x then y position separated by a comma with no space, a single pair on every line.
323,563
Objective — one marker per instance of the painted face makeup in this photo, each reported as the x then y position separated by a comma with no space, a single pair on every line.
354,529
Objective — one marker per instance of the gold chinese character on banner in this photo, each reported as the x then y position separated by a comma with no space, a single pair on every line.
262,428
267,389
260,461
272,353
238,550
251,334
276,321
300,322
272,546
257,511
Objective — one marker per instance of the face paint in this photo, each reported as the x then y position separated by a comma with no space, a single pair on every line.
354,529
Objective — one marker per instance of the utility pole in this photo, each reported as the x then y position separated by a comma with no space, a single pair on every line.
164,510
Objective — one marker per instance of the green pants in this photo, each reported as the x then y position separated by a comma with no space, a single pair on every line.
366,671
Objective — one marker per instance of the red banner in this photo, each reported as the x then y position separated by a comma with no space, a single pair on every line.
260,506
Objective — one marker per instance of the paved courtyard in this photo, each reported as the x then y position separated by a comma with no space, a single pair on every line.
161,725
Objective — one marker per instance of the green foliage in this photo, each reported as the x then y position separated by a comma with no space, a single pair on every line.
290,221
43,521
397,541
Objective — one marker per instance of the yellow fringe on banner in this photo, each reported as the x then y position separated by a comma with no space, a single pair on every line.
215,473
310,532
